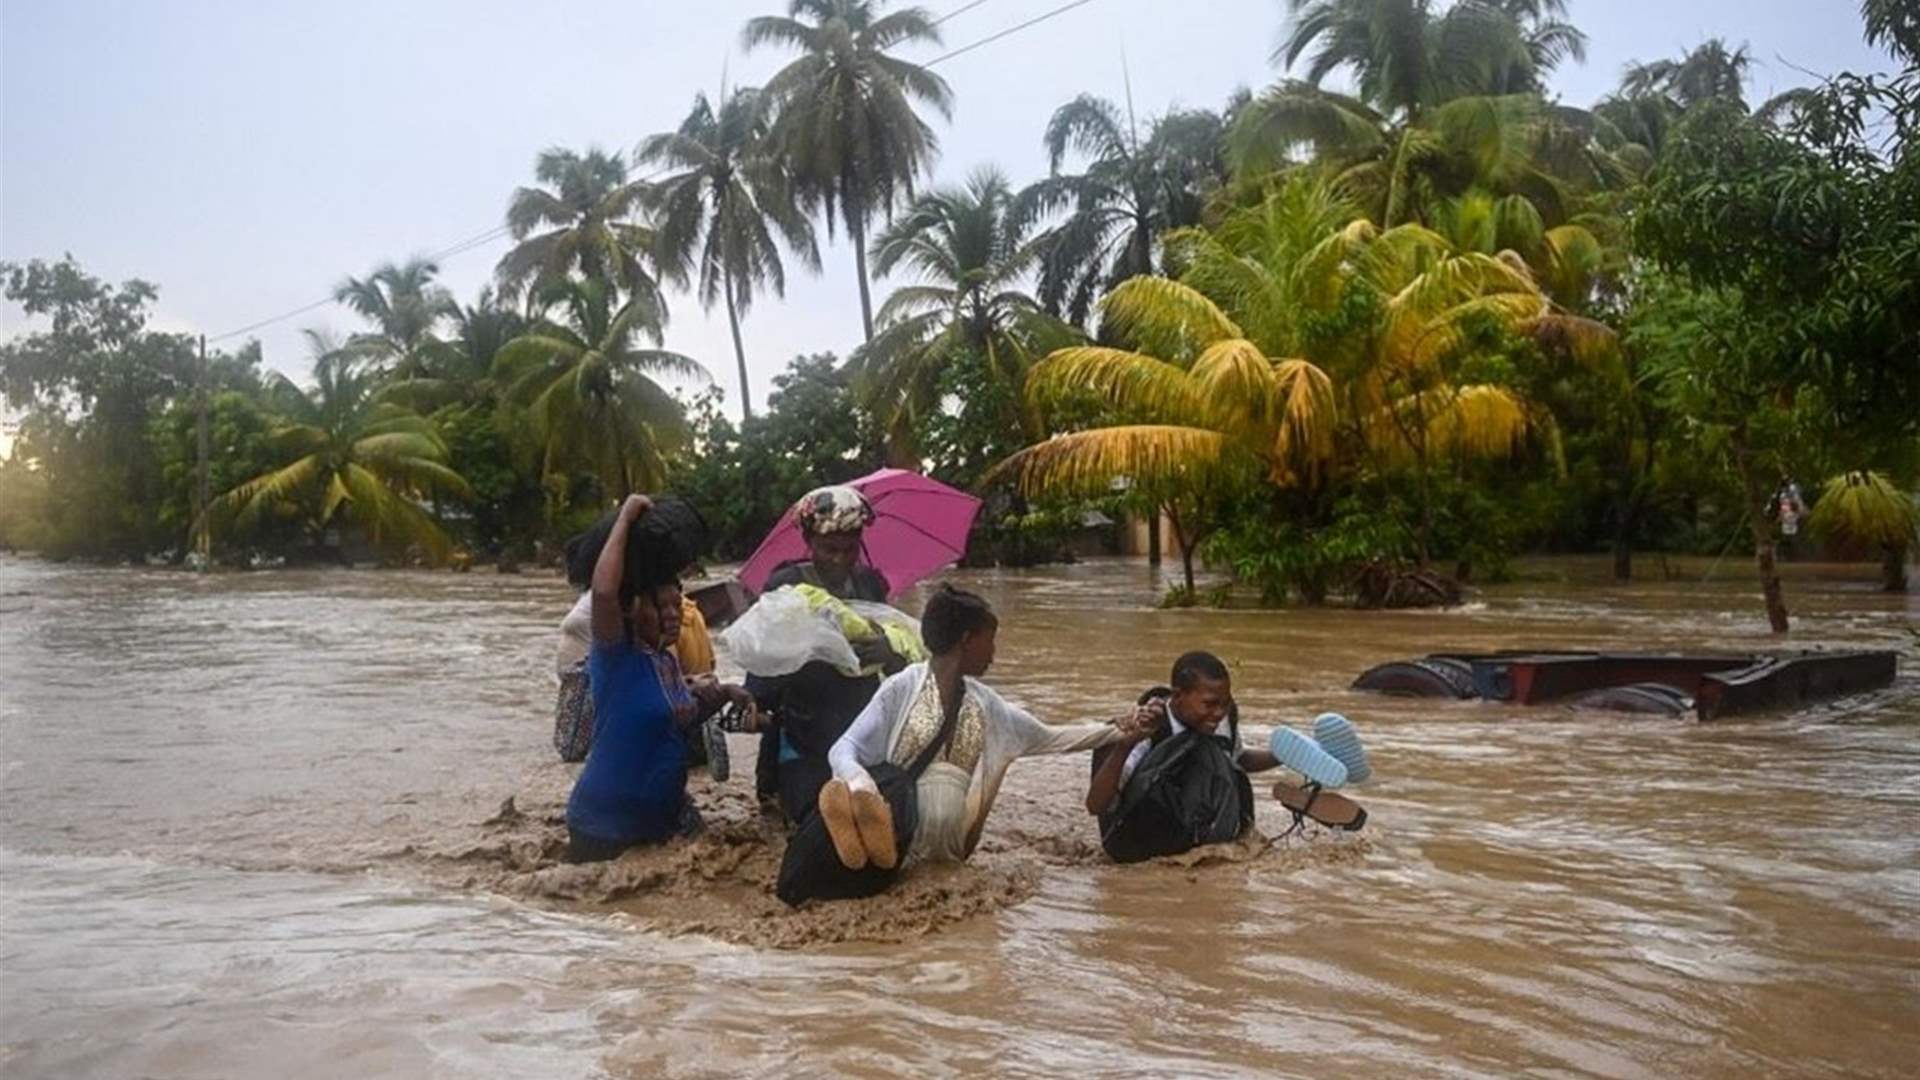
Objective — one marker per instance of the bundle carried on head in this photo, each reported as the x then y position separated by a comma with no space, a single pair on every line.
665,540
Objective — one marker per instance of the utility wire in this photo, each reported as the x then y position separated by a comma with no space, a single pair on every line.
961,10
1008,32
482,239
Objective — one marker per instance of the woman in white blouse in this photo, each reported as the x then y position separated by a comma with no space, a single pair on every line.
957,790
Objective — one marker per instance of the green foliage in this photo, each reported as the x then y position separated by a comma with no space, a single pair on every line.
745,476
1127,196
1270,545
718,214
846,122
241,439
508,511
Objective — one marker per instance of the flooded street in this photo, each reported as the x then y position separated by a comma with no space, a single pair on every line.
244,830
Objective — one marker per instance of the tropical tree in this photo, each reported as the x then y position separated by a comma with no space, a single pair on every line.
1406,56
1388,319
588,386
1446,102
405,306
969,253
846,121
460,369
1895,25
580,221
1866,509
349,454
1127,195
1709,71
721,210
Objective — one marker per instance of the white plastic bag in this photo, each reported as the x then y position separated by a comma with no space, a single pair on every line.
781,633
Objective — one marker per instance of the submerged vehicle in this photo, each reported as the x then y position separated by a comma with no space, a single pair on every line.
1710,686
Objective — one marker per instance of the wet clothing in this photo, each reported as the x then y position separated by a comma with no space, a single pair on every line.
573,708
633,789
957,791
1178,790
695,647
810,708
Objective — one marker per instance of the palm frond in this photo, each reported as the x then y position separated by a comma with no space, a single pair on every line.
1166,317
1088,463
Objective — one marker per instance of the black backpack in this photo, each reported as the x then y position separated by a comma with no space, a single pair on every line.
1186,792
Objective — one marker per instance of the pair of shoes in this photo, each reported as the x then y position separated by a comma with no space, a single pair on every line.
719,762
1332,758
860,824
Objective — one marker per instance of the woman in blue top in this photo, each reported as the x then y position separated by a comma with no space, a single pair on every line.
633,789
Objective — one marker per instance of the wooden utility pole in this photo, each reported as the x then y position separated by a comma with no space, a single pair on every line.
203,474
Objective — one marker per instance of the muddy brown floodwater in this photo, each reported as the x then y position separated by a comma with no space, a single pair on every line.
259,825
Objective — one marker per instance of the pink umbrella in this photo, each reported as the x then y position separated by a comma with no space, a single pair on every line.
920,525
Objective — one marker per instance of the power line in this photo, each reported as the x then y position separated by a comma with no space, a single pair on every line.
1008,32
482,239
961,10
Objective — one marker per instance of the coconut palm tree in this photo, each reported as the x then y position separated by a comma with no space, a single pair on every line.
969,252
460,369
729,198
1710,71
589,388
1407,57
847,125
580,221
1866,509
1129,193
404,306
350,455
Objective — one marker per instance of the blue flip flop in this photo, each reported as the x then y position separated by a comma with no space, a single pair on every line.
1336,735
1304,756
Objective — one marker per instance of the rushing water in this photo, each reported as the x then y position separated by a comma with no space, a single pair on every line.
219,796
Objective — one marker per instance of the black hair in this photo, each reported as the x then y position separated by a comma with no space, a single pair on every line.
951,615
1195,666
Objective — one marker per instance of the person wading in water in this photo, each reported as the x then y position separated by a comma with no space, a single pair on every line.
812,707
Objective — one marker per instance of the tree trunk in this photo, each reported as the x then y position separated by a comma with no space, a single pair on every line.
739,350
1762,532
1893,568
1623,527
1426,515
1153,536
857,232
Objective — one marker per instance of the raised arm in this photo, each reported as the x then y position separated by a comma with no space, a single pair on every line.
609,622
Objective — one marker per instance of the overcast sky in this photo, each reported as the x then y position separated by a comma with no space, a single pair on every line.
244,155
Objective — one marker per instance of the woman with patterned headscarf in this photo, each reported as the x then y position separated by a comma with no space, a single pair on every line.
812,707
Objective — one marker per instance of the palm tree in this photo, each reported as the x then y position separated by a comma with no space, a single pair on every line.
969,252
1128,194
351,455
1210,386
847,125
404,305
461,369
589,388
1406,57
1866,509
728,199
579,222
1709,71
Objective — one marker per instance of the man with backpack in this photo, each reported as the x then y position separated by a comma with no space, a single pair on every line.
1185,783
